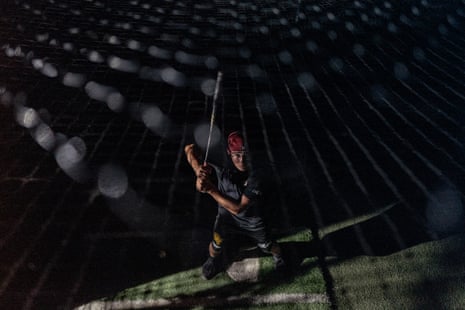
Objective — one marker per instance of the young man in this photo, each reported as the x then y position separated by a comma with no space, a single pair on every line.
239,194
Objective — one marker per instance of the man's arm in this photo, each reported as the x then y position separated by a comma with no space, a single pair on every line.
234,207
229,204
202,171
193,158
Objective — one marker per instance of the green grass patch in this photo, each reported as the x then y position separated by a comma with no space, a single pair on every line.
427,276
189,283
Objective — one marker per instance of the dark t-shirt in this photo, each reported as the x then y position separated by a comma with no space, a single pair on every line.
234,183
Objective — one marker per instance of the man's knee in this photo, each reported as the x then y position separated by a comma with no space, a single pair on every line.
216,245
270,247
213,249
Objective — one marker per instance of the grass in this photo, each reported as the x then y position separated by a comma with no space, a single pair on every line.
189,284
428,276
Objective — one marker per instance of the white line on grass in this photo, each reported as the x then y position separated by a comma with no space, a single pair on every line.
209,301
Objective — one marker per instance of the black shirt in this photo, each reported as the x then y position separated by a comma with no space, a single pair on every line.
234,183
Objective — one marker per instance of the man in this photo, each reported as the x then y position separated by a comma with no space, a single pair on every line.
239,194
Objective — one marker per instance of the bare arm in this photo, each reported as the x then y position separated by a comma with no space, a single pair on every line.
233,206
229,204
193,158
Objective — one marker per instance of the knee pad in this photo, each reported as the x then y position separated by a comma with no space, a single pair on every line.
265,246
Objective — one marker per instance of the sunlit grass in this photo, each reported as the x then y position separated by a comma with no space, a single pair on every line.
427,276
189,283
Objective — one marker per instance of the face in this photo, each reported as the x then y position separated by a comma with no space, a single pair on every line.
239,160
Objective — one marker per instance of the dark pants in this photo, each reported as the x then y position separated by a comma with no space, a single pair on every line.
226,226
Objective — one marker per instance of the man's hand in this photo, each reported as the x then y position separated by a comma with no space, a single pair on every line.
204,171
205,185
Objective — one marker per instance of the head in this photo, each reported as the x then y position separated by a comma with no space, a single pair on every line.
236,150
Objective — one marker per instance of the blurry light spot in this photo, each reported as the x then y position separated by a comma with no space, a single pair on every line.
37,63
211,62
378,92
285,57
306,80
98,91
115,101
74,79
392,27
419,54
124,65
350,26
442,29
70,153
266,103
112,181
44,136
67,46
74,30
312,46
95,56
208,87
7,98
155,119
27,117
49,70
114,40
264,30
358,50
332,35
295,33
401,71
173,77
245,52
255,72
336,64
159,52
42,37
201,135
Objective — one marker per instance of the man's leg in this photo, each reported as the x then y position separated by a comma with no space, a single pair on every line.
214,264
269,246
